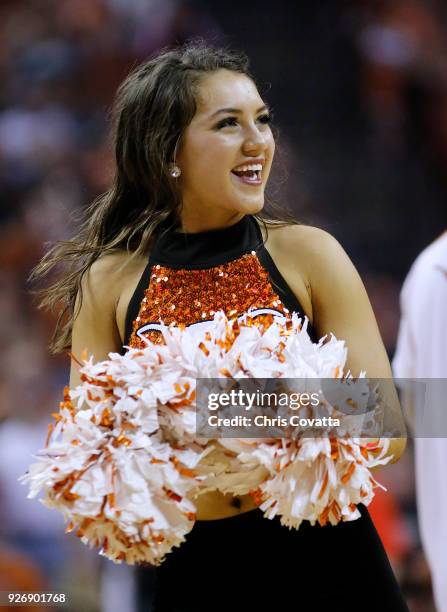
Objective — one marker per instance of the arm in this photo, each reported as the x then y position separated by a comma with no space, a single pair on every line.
95,329
340,305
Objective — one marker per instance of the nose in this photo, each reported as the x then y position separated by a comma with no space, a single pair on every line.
255,141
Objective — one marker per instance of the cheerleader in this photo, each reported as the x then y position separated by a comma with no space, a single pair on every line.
183,233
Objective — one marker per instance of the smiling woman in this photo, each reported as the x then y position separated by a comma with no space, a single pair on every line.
226,152
181,234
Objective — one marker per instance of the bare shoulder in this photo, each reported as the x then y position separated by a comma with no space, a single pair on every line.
100,314
311,240
95,326
318,270
313,250
112,268
109,280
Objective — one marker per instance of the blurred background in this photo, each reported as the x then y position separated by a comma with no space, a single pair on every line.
359,95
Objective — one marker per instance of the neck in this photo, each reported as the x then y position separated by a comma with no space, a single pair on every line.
192,223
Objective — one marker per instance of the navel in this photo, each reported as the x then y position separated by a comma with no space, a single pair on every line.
236,502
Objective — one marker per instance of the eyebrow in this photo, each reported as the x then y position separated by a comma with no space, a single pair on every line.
237,111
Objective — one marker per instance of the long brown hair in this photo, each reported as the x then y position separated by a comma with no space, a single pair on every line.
152,108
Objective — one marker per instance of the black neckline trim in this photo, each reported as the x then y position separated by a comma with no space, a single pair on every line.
186,250
215,232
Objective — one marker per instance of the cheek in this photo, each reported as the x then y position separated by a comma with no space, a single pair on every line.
208,162
270,151
271,144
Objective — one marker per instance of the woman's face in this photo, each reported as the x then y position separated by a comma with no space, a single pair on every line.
226,153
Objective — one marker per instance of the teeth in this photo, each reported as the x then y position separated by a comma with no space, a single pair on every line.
253,167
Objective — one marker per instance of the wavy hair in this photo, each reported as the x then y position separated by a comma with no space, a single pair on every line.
152,108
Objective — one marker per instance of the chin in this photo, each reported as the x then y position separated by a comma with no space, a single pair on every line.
252,208
249,207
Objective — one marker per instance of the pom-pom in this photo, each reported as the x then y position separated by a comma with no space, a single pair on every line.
123,462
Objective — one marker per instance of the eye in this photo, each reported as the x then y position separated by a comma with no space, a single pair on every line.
228,121
265,119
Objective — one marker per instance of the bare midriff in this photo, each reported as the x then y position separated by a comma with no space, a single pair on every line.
214,505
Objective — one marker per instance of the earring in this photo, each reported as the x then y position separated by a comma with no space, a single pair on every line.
174,171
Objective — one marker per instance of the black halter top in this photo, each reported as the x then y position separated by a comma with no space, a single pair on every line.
189,276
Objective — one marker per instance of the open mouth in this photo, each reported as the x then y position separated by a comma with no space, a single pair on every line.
250,174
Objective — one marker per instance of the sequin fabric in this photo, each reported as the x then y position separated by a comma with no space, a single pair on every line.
185,297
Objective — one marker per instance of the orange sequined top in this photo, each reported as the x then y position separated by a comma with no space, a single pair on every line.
189,276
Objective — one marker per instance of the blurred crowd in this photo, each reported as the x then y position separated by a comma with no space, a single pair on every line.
366,160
